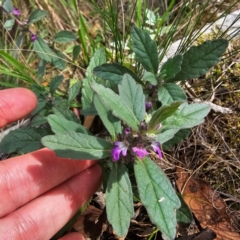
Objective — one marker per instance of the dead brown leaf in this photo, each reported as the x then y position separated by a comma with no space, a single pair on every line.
91,223
207,206
205,234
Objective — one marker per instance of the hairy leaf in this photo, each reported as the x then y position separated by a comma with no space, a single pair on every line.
161,114
113,72
78,146
22,140
177,138
169,93
119,199
157,195
112,124
171,67
9,24
166,134
43,50
66,113
36,15
145,49
65,37
55,82
60,124
115,103
98,58
58,60
7,5
76,52
199,59
150,77
187,116
74,90
132,94
184,214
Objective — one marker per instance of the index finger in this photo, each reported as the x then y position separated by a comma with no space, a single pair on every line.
15,104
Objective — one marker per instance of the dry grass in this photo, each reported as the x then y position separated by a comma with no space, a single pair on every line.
211,152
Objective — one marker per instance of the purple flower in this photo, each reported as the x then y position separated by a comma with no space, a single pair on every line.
121,147
16,11
127,131
156,148
140,152
33,38
148,105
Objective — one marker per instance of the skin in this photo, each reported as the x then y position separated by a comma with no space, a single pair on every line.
40,192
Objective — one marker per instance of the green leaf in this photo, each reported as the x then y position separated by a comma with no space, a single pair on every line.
157,195
65,112
17,69
187,116
112,124
177,138
169,93
58,60
65,37
150,77
74,91
14,63
39,90
106,166
9,72
41,69
43,50
171,67
36,15
119,199
7,84
9,24
22,140
76,52
55,82
115,103
145,49
199,59
132,94
184,214
38,120
166,134
78,146
7,5
46,53
60,124
42,101
161,114
98,58
113,72
19,43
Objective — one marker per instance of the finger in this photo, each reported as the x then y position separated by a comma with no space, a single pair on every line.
45,215
15,104
25,177
72,236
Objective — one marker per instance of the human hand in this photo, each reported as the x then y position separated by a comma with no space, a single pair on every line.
39,191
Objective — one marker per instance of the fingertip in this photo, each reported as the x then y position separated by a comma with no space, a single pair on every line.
15,104
73,236
95,171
